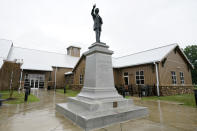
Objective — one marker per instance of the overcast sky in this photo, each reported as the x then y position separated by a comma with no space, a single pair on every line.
129,25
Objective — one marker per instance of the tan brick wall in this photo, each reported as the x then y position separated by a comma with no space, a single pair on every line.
5,75
174,62
149,75
80,69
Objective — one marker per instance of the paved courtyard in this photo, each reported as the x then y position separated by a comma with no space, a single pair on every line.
41,116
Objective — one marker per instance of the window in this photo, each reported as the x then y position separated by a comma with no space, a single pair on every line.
139,77
173,73
182,78
81,79
126,78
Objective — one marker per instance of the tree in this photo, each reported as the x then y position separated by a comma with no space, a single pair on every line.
191,53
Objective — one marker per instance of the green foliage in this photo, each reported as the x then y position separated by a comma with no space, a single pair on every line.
127,97
17,98
186,99
191,53
69,92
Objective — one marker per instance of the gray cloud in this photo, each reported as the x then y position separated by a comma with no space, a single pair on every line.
129,26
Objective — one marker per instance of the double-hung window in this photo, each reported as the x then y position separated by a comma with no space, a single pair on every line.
182,78
81,79
173,73
139,76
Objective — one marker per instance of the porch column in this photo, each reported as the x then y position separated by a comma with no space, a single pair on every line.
21,76
157,77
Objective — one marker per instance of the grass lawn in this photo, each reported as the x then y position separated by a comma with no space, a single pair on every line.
127,97
69,92
186,99
18,98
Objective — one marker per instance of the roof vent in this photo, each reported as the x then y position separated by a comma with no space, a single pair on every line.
73,51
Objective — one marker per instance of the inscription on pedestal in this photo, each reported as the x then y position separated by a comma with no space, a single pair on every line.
115,104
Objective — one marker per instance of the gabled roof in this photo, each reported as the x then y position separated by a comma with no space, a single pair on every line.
144,57
5,46
41,60
1,62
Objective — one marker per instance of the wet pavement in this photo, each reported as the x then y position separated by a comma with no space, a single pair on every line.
41,116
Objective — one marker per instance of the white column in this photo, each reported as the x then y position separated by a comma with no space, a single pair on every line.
21,78
157,77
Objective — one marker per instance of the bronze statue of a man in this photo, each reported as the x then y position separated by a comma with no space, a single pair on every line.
97,22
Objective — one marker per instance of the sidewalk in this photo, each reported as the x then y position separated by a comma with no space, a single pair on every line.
41,116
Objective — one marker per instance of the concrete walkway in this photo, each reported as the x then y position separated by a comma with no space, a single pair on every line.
41,116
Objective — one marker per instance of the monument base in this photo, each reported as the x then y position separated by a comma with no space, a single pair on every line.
99,104
91,114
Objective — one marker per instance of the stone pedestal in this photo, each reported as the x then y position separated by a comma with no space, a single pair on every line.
99,104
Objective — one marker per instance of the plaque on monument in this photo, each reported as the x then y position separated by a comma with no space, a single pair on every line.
99,104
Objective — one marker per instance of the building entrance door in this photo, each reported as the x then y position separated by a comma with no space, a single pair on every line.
36,80
34,83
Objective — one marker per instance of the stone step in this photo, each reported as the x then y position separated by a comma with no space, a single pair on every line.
98,119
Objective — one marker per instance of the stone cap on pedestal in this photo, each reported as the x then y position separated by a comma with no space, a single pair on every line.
98,47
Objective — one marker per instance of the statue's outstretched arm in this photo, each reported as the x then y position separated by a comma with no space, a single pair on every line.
92,13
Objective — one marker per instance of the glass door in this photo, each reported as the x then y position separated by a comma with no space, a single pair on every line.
36,84
32,83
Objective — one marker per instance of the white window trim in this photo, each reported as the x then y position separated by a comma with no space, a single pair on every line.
173,77
127,77
182,77
81,77
139,75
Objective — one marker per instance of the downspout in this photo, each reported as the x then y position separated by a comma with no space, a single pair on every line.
21,76
157,78
55,76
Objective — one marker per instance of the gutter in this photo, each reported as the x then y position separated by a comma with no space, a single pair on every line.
55,77
157,78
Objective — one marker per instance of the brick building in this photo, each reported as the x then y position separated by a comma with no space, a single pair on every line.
166,68
39,68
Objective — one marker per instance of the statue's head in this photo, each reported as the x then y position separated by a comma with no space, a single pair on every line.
96,11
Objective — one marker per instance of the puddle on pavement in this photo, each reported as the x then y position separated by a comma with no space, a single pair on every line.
41,116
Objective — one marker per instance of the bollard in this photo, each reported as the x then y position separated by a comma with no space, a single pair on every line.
195,94
64,90
0,100
26,94
123,92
